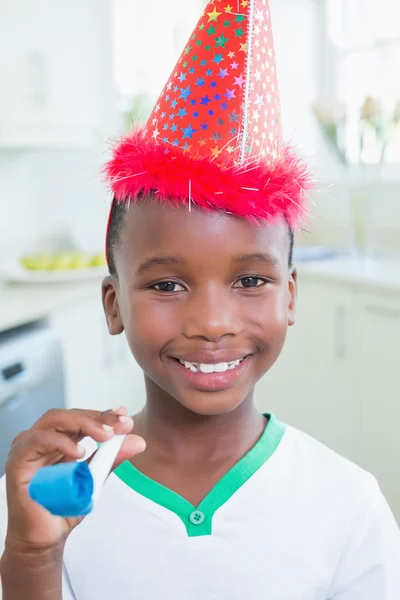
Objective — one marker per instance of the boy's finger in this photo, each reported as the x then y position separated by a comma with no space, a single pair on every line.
39,449
133,445
119,411
99,425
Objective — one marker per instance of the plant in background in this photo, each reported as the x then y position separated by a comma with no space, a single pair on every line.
332,122
378,129
137,110
391,151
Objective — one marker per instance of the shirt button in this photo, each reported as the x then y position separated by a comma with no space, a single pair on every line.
197,517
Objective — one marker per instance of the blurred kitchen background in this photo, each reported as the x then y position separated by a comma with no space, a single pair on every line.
75,74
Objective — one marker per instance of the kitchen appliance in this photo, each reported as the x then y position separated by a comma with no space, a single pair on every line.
31,380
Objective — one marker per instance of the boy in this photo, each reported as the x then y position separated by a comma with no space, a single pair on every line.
225,503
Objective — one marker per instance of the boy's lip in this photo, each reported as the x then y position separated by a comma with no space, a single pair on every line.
212,358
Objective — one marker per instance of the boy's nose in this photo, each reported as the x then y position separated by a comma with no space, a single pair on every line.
212,316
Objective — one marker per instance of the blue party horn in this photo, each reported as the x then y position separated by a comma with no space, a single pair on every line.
70,489
65,490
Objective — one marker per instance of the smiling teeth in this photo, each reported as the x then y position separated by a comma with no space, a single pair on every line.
209,368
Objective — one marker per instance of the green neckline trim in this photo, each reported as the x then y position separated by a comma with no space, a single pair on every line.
198,519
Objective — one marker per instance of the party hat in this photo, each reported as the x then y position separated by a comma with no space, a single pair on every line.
214,138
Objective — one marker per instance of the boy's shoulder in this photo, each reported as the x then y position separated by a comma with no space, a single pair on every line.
317,467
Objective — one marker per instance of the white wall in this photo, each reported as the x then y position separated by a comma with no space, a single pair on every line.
16,206
43,193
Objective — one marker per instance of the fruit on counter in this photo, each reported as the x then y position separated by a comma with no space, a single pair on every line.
37,262
79,260
98,260
63,261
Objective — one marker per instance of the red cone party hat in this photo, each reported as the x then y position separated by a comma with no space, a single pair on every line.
214,137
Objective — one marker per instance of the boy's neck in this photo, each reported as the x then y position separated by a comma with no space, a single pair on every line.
176,433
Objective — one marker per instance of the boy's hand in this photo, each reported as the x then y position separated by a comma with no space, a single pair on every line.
51,440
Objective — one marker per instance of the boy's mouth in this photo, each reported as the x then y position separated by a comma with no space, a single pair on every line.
212,376
208,368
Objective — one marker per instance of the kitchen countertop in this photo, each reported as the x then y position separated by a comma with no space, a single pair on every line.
24,303
380,276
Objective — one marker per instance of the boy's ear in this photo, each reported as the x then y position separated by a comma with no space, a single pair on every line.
111,306
292,289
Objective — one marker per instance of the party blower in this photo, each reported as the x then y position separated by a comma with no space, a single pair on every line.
71,489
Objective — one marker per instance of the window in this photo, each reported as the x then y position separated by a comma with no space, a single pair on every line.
149,36
365,35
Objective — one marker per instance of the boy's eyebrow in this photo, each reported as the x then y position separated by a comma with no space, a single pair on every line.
270,260
156,261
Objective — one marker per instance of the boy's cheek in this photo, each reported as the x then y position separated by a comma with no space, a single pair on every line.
273,314
152,329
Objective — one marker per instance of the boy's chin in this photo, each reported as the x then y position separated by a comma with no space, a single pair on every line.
211,404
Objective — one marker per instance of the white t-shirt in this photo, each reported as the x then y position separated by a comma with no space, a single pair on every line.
291,521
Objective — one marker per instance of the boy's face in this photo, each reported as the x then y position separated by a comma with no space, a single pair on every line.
206,289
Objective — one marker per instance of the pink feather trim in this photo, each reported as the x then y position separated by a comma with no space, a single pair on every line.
255,191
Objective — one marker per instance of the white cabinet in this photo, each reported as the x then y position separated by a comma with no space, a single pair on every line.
54,72
126,379
311,385
337,378
378,383
100,372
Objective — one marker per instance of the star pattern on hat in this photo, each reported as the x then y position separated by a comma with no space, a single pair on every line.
222,101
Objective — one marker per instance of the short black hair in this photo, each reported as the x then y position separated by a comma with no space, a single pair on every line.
116,222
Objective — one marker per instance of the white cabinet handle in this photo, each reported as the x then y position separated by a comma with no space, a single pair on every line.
340,332
40,81
383,311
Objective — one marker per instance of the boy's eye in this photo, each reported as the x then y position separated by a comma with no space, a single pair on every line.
168,287
250,282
